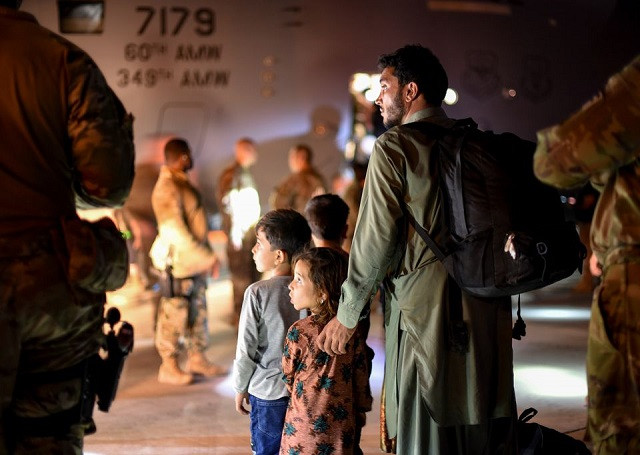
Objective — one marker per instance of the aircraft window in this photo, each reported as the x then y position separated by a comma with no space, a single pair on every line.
81,16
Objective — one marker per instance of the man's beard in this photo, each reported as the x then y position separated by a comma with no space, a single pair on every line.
395,112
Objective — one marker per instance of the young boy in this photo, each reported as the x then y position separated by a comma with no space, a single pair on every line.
327,216
265,317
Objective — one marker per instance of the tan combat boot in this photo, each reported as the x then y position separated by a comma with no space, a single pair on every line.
170,373
198,364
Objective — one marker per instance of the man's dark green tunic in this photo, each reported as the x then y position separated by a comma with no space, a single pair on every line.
442,396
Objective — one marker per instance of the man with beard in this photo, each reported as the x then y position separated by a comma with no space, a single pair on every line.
443,393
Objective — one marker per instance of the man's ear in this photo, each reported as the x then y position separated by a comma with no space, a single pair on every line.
411,91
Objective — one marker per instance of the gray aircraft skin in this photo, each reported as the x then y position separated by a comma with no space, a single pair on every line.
279,71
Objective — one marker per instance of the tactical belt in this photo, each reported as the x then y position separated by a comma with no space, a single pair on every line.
176,287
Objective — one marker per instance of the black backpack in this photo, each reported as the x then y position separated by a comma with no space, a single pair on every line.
536,439
507,231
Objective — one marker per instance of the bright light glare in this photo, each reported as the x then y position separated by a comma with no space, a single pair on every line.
117,299
451,97
361,82
373,93
366,144
556,314
245,211
225,387
350,150
550,382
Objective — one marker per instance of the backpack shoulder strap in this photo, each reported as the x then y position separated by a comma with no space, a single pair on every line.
440,254
458,132
436,131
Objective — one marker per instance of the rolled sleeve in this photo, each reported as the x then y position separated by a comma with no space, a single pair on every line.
603,135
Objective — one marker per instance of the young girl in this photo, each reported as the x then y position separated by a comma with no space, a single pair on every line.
329,395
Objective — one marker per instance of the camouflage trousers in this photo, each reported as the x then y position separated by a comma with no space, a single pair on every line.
46,327
183,319
613,362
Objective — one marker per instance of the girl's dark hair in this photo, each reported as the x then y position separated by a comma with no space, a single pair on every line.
327,272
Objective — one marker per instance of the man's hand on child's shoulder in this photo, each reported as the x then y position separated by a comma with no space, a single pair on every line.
240,398
334,337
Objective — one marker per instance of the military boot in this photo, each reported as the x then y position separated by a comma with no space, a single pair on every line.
170,373
198,364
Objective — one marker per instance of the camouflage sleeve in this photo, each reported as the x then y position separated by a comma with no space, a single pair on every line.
101,136
279,198
602,136
168,208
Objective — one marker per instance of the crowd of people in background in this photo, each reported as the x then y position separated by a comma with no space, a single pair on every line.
304,271
321,269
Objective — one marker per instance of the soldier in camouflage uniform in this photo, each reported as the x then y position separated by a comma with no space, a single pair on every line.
303,183
601,143
181,250
66,143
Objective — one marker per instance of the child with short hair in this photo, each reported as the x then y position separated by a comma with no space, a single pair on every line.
327,217
329,395
264,319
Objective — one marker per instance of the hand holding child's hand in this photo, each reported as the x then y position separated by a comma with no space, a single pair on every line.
334,337
240,398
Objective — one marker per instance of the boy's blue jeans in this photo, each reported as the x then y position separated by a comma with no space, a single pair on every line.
267,422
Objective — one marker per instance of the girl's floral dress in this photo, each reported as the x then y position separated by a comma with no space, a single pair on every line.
329,394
